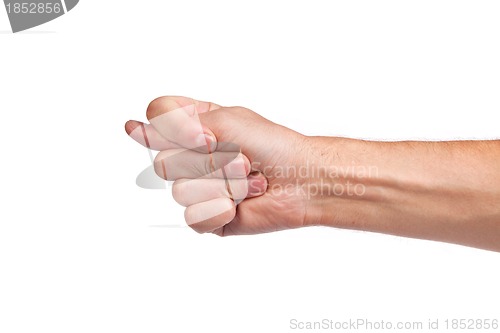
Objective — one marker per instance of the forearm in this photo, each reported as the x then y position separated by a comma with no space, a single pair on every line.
446,191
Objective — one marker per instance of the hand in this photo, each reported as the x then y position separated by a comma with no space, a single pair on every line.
186,131
238,173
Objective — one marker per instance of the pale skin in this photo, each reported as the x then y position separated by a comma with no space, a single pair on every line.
442,191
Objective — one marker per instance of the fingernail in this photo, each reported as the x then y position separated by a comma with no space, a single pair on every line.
257,184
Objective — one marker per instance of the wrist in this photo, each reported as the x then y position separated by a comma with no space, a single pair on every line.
343,183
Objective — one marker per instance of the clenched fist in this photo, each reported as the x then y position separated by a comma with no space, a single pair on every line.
224,162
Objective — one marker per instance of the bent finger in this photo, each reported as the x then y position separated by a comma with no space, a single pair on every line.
146,135
188,192
175,164
210,215
176,119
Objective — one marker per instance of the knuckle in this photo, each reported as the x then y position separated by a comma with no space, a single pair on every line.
239,110
160,106
155,106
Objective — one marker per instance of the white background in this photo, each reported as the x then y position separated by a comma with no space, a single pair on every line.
79,250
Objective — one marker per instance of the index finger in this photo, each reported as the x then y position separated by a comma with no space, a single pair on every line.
176,119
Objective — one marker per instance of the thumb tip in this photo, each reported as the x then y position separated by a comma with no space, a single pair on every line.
131,125
257,184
